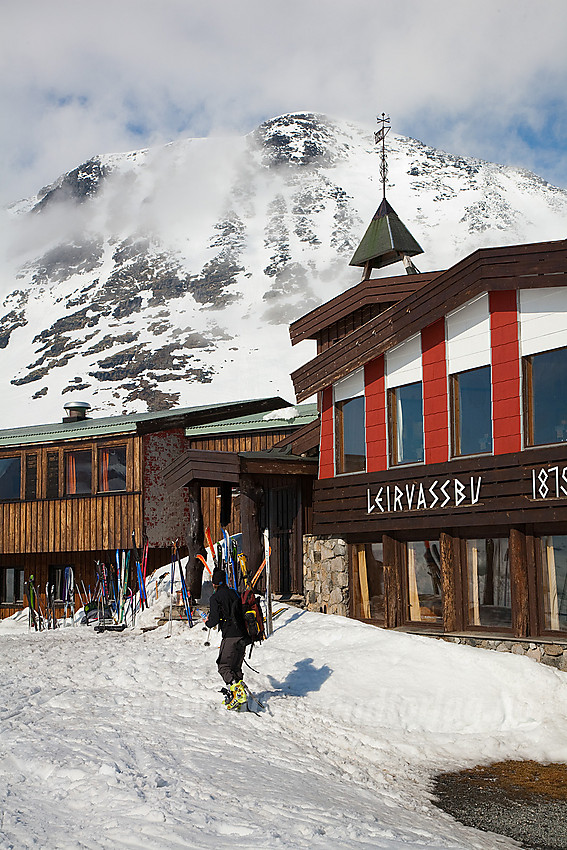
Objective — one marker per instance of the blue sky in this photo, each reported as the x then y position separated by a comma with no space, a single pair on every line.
484,78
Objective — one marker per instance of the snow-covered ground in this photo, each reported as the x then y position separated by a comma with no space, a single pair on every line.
122,741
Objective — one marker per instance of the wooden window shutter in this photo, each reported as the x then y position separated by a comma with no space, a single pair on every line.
31,477
52,475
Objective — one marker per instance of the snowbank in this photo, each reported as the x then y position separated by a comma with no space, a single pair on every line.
121,740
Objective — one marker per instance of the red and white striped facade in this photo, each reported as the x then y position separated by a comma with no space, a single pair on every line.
495,328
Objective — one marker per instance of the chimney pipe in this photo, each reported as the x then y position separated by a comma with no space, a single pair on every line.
76,411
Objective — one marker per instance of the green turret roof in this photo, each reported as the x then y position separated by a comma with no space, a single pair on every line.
386,241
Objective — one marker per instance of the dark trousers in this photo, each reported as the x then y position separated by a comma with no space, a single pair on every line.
231,656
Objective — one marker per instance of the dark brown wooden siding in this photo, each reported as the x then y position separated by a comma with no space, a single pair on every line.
70,523
379,292
340,505
210,496
514,267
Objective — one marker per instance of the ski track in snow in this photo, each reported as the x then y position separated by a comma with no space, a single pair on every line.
122,741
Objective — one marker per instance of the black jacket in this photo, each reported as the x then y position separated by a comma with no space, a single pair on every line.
226,612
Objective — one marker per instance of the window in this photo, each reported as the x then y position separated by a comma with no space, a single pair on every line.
488,582
78,472
11,585
56,579
554,561
112,469
350,437
406,424
368,587
545,397
471,408
10,477
424,582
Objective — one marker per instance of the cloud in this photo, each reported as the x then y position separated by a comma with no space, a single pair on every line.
470,76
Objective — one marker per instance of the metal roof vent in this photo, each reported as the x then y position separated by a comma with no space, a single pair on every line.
76,411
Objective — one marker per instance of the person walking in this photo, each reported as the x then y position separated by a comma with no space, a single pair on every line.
226,612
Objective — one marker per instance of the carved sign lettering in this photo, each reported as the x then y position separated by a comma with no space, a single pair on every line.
447,493
549,482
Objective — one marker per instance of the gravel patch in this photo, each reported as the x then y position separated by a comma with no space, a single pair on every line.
526,801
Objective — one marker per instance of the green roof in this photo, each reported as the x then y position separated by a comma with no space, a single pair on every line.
131,423
386,240
293,417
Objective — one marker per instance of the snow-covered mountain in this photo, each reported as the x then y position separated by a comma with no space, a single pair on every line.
169,276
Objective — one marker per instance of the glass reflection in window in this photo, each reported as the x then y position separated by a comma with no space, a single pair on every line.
488,573
10,477
368,593
424,581
545,386
472,415
112,469
78,472
554,560
349,435
406,414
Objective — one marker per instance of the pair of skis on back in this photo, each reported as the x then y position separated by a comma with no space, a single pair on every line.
225,555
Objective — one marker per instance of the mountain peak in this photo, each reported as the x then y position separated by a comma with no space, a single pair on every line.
170,275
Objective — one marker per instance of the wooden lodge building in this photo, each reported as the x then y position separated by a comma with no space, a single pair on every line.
443,445
72,493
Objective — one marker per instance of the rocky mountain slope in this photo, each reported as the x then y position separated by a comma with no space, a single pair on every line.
168,276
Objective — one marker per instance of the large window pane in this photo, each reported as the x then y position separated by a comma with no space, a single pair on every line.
488,572
10,477
424,581
546,389
112,469
554,561
349,435
368,596
472,419
78,472
11,585
406,412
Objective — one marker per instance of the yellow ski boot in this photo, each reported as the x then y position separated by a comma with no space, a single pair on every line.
238,695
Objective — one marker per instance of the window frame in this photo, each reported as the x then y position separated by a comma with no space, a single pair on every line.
467,602
16,603
541,568
528,406
17,455
393,442
455,410
111,448
67,453
410,593
340,433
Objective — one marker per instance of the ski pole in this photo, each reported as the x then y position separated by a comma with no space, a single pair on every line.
169,628
207,642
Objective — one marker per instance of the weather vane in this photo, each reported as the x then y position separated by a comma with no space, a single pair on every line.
380,136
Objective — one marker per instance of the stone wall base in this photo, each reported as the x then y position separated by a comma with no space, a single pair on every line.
546,652
325,574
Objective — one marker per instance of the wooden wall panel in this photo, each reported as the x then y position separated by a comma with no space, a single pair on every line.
505,498
72,524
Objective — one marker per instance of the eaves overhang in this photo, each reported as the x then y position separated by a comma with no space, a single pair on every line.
213,468
485,270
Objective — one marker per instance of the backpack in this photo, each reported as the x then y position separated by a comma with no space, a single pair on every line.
253,617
